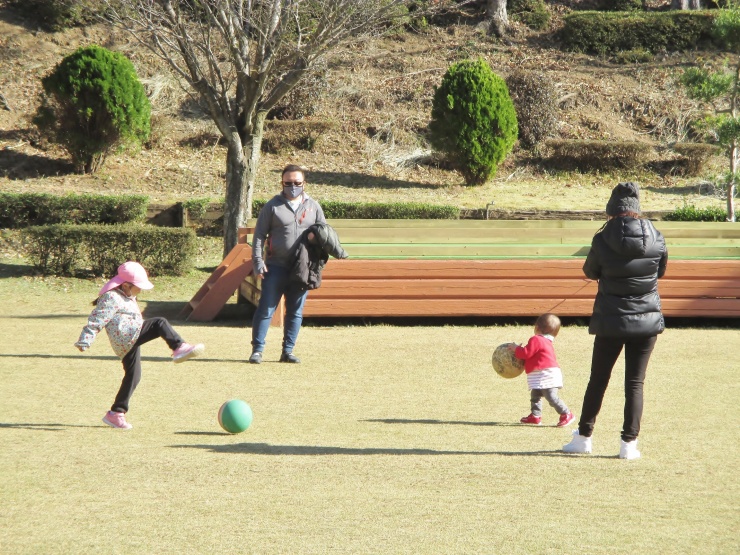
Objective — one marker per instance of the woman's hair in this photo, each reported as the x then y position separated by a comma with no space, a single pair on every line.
635,215
548,324
95,302
630,214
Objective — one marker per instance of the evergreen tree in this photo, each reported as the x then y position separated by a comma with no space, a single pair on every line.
473,120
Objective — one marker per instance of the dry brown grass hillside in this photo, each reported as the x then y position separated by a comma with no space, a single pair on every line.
376,106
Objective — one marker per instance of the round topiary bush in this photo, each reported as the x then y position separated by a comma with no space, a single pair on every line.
473,120
535,100
93,103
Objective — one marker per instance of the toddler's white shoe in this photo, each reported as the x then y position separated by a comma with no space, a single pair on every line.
579,444
628,450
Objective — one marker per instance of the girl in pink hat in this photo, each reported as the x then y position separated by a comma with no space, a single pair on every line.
117,311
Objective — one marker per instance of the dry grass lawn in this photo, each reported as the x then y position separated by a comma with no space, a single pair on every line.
386,439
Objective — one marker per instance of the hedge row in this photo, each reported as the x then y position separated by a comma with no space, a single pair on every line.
69,249
19,210
693,214
610,32
380,211
597,155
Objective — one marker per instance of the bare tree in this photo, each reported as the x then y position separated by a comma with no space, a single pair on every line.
240,57
496,15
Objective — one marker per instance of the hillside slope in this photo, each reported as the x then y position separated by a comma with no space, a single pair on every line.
377,102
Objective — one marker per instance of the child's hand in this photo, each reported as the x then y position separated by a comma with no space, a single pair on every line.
512,347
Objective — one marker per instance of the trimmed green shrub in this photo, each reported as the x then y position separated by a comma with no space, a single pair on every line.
473,120
694,156
68,249
380,211
692,214
25,209
533,13
620,5
395,211
94,103
535,100
57,15
636,56
602,33
597,155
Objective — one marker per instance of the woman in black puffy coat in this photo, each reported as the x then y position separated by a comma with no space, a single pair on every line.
627,257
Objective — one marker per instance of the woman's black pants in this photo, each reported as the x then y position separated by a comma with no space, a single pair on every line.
637,353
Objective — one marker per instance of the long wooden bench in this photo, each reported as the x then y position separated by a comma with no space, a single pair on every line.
507,268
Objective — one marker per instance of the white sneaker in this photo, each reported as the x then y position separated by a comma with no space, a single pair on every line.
628,450
579,444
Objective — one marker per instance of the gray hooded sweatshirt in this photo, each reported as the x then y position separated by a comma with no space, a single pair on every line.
279,229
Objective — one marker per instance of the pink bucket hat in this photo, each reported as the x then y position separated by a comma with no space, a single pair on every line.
129,272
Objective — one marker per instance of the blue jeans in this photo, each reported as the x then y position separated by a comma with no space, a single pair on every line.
275,285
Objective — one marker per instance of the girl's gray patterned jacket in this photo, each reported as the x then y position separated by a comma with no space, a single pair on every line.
279,229
121,318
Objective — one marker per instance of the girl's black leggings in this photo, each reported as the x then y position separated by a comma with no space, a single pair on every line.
152,328
637,353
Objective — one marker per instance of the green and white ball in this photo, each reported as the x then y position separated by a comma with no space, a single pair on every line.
235,416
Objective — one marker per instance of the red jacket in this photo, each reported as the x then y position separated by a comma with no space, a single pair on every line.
537,354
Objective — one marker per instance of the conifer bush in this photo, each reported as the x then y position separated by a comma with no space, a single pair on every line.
93,104
473,120
535,100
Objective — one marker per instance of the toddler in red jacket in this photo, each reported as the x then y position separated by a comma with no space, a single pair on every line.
544,376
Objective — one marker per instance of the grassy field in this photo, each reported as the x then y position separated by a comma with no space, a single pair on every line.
386,439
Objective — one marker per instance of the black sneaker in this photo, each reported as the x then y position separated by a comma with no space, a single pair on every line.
256,358
289,357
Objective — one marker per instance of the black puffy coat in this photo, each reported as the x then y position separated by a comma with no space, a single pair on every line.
627,257
311,256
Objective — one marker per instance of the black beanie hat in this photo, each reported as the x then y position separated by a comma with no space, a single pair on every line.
625,198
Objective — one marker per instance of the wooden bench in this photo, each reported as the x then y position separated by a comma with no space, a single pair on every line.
507,268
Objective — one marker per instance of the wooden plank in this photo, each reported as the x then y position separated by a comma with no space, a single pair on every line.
707,308
445,307
507,288
700,269
459,268
452,288
465,250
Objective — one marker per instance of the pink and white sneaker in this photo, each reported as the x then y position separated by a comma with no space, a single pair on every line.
117,420
186,351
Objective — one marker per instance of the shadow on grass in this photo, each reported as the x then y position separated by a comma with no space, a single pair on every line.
448,422
113,357
231,314
43,316
313,450
50,427
16,270
17,166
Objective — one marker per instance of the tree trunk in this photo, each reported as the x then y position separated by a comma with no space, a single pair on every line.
234,205
242,162
686,4
734,154
496,15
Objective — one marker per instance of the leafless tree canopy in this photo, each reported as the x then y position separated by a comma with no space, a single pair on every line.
240,57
